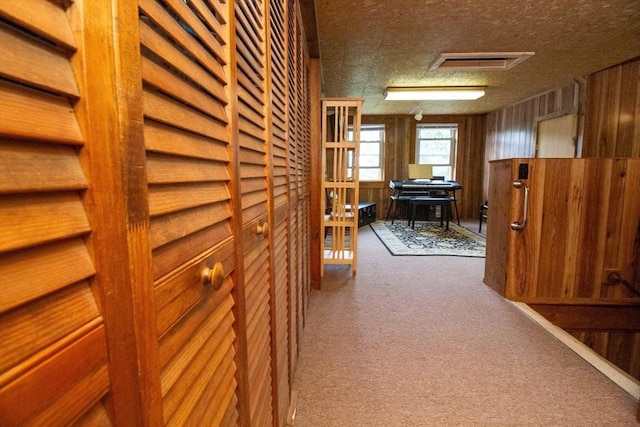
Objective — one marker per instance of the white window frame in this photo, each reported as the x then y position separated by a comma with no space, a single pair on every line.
440,168
362,164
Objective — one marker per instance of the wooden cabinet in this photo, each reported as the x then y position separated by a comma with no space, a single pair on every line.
153,211
582,223
582,219
340,150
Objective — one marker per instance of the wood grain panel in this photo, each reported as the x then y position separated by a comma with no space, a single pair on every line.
594,317
612,127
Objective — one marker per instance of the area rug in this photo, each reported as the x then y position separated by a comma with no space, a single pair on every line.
429,238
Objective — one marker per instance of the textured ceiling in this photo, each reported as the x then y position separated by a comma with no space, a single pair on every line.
368,45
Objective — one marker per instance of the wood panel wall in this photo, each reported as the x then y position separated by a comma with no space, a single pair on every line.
511,132
609,126
399,151
612,127
154,211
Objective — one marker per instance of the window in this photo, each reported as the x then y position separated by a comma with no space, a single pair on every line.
371,158
436,145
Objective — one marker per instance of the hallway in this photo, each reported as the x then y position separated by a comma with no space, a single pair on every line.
421,341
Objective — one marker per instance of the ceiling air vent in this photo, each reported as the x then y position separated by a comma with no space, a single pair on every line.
480,61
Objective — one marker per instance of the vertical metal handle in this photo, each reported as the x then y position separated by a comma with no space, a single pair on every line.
520,225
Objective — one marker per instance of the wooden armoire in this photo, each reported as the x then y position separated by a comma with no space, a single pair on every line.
154,211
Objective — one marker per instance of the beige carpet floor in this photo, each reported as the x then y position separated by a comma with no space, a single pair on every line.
421,341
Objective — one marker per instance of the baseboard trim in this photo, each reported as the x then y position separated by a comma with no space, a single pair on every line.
291,415
615,374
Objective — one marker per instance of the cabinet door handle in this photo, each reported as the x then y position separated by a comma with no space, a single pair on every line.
213,276
520,225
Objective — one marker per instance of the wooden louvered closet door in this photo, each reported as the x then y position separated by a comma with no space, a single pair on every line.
252,174
148,148
279,208
299,177
187,159
53,362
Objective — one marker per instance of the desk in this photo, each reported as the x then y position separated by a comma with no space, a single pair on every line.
404,189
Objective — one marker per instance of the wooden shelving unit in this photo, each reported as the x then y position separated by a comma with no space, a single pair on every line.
340,149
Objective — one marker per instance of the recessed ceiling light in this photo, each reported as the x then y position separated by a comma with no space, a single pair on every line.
433,93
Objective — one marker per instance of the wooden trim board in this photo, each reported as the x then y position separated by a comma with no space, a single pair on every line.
615,374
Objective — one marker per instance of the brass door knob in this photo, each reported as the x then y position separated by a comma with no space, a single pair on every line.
263,229
213,277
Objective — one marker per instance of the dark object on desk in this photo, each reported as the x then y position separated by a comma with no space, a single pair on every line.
404,189
483,214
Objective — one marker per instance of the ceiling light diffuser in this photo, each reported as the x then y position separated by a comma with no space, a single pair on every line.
433,93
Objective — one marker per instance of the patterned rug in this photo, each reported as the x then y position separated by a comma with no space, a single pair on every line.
428,238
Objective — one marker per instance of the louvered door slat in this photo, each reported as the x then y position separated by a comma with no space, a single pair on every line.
32,114
170,256
224,392
164,169
174,113
37,64
31,328
171,227
31,167
172,296
43,395
209,16
160,138
198,26
178,58
182,91
172,198
211,341
167,24
51,268
41,17
26,221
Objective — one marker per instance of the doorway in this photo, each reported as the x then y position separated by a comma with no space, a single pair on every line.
557,137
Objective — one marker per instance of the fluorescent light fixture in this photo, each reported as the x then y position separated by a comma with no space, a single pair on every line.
433,93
